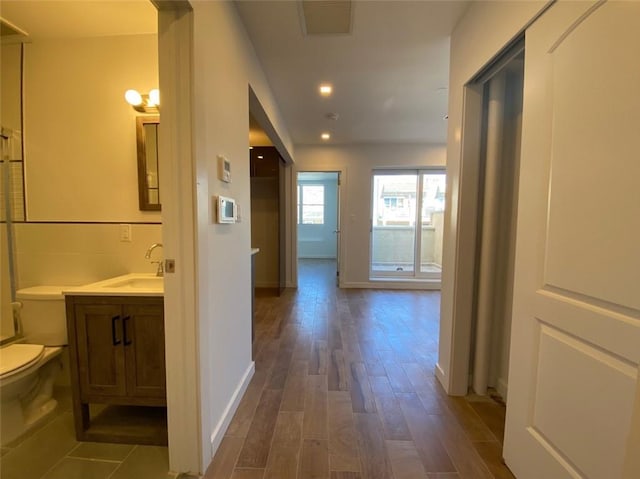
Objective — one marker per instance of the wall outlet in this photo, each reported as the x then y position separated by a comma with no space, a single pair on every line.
125,233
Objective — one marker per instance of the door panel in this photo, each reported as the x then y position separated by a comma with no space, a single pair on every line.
282,229
432,223
575,344
592,175
393,229
144,346
582,389
101,358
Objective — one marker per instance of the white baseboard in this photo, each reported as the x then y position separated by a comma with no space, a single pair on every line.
441,376
393,284
502,388
230,410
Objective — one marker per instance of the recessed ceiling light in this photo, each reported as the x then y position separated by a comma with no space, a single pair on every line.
260,157
326,89
325,136
251,147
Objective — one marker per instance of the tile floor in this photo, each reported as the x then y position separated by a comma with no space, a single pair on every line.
52,452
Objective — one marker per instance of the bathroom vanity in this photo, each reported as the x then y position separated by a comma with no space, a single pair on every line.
116,347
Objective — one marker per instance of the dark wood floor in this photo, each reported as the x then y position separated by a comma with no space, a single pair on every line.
344,389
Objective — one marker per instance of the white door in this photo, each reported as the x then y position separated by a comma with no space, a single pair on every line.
575,344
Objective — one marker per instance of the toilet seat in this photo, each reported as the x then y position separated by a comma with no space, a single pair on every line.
18,357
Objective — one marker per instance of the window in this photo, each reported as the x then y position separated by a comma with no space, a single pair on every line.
311,204
407,223
394,203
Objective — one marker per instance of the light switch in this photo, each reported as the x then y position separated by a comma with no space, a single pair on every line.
125,233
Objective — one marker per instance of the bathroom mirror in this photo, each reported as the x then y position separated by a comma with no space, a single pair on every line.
148,180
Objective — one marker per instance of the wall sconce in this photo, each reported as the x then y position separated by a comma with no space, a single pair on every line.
143,103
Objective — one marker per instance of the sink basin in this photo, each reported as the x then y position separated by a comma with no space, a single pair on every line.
133,284
155,283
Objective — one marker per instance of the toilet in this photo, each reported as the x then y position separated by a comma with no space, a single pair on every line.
29,366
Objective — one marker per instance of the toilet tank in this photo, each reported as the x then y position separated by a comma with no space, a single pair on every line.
43,315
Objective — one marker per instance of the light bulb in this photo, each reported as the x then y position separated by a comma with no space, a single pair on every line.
325,136
154,97
133,97
326,89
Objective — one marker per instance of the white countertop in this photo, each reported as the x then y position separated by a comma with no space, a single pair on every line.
133,284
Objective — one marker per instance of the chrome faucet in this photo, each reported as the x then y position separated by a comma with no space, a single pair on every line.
160,270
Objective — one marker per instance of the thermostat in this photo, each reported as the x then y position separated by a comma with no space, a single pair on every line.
224,169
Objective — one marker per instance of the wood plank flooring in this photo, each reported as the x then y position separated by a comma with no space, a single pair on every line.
344,389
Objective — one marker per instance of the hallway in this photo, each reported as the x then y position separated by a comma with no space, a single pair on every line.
344,389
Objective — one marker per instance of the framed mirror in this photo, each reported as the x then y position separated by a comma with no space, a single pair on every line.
148,179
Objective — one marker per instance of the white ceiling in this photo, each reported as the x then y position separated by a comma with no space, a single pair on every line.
74,19
389,75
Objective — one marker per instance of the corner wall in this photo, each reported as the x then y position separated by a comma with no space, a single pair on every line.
484,30
224,66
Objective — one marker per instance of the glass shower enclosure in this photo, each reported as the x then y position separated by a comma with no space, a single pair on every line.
12,200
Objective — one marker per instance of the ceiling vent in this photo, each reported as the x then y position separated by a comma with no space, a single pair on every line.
326,17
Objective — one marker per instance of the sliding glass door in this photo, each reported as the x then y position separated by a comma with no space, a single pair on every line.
407,223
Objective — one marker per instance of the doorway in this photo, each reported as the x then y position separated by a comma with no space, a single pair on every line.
318,227
268,219
407,224
502,89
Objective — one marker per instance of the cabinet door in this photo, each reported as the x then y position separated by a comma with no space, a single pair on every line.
144,350
100,355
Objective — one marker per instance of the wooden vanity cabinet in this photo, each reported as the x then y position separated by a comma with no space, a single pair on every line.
116,347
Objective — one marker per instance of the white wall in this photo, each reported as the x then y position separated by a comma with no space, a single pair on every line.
319,241
224,65
483,31
70,254
80,134
357,163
